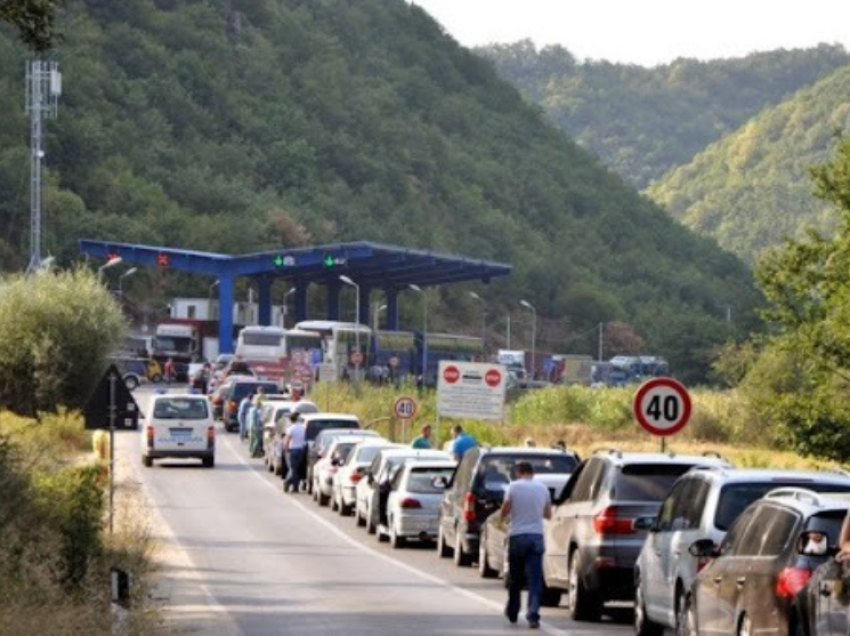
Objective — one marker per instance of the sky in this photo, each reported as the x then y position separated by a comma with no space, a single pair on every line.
647,32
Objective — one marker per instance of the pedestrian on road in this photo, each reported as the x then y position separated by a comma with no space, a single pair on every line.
170,373
255,426
423,440
527,504
242,415
294,445
462,443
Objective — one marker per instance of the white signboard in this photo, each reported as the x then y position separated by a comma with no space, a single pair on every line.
328,373
474,390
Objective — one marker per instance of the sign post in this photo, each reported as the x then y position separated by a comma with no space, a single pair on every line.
662,407
404,409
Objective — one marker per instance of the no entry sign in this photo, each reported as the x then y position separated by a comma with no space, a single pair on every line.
662,406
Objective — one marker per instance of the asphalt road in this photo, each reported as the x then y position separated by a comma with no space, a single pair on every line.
241,558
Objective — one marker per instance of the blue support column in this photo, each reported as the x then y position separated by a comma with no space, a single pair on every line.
365,305
225,313
265,300
301,301
392,309
333,300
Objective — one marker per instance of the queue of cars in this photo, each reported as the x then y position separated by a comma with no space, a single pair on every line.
699,546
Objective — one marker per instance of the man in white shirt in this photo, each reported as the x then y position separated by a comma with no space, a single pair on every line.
294,445
527,504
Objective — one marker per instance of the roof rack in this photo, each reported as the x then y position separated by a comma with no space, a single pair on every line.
837,470
800,494
607,451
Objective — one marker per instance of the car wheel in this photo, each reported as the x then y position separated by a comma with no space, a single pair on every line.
461,558
156,378
209,462
584,604
745,626
321,497
334,504
344,508
550,597
643,625
396,541
442,548
131,382
358,518
278,469
484,569
147,461
685,616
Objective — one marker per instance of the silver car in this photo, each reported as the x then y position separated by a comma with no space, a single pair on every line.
274,417
702,504
335,453
413,504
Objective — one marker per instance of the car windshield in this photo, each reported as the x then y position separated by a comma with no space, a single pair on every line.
421,480
647,482
734,498
180,409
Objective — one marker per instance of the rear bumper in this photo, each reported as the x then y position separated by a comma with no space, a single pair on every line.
418,526
180,454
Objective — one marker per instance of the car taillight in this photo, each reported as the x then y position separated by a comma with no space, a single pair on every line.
210,437
792,580
232,406
702,562
469,507
149,433
409,502
607,522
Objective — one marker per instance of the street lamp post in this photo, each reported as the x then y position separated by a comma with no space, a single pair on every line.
121,278
285,296
528,305
345,279
419,290
110,263
377,309
213,285
472,294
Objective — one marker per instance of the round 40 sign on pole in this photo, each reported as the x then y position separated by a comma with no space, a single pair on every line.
662,406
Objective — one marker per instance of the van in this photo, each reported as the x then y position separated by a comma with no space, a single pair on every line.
179,426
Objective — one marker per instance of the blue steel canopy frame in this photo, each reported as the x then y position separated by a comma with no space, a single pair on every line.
371,265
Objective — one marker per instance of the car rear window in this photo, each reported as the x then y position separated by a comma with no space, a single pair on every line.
647,482
314,427
734,498
181,409
421,480
497,471
367,453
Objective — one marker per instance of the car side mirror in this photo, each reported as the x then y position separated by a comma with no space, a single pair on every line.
703,548
645,523
814,543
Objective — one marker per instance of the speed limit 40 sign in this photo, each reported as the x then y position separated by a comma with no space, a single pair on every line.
662,406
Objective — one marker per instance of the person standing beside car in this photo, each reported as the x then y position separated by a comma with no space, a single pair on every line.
423,441
294,445
526,504
462,442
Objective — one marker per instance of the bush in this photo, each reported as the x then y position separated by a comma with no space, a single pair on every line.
57,331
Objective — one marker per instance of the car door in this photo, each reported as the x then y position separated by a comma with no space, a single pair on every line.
706,587
451,508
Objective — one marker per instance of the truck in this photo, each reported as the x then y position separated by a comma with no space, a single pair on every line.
571,369
623,370
517,362
184,340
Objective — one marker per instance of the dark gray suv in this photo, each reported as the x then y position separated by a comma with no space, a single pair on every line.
591,541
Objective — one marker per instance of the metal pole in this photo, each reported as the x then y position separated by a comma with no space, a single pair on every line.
112,409
601,326
508,345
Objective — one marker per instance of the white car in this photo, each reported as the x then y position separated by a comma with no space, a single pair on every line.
372,491
413,505
274,417
179,426
344,491
335,453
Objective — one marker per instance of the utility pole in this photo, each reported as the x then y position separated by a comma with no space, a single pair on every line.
601,329
44,86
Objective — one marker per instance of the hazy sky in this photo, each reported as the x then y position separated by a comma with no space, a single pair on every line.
647,32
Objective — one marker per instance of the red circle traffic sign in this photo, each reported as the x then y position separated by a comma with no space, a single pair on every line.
451,374
404,407
662,406
357,358
493,377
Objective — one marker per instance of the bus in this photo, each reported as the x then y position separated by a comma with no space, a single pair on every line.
339,341
444,346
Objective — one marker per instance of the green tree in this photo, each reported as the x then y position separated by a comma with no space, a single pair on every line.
35,21
56,331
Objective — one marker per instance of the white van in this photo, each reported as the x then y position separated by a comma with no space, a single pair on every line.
181,426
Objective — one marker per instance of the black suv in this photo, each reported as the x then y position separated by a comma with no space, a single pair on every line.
591,541
477,489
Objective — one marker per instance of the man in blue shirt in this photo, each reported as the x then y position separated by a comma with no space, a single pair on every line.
462,443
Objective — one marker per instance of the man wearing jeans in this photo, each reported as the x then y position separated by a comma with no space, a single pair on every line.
294,446
527,504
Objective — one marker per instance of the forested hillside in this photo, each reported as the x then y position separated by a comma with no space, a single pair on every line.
238,125
753,189
644,121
